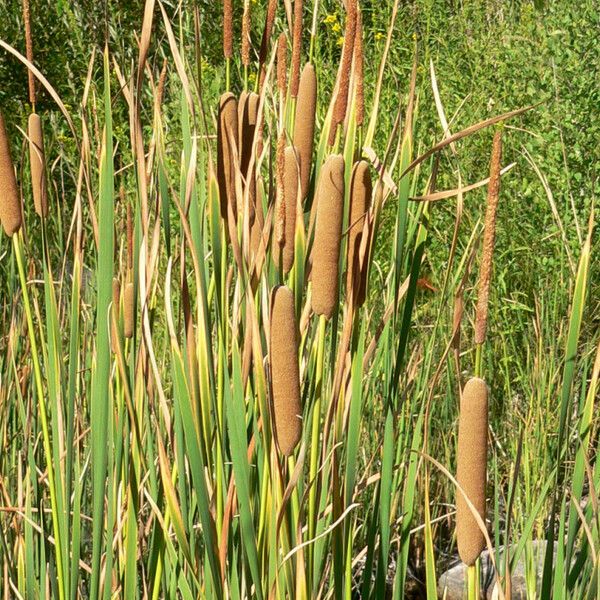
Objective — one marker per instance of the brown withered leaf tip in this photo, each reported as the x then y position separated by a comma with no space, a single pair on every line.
285,374
328,230
471,468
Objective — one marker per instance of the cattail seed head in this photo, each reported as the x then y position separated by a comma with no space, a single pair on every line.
328,230
37,165
282,65
288,202
285,375
264,44
304,128
361,189
227,29
296,47
489,236
10,205
246,27
29,50
227,134
359,71
129,229
280,201
128,310
471,468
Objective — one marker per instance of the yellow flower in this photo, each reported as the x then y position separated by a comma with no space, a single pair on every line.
336,27
252,77
379,36
329,19
340,40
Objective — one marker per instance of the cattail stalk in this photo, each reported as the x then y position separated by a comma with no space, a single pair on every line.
489,235
10,205
304,124
471,468
328,230
296,48
227,141
361,189
37,165
285,374
284,252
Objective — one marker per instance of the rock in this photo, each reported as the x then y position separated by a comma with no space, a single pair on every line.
451,585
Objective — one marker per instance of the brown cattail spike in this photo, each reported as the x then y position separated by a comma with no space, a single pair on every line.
489,236
128,310
285,375
10,206
296,48
471,468
359,71
264,44
29,50
304,128
246,41
282,65
285,253
227,142
361,189
37,165
328,230
227,29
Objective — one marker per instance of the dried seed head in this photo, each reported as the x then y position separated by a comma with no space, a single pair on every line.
280,199
359,71
287,206
361,189
341,98
10,205
227,142
328,230
37,165
29,50
489,236
285,375
246,27
282,65
471,468
304,128
129,238
128,310
227,29
296,47
264,44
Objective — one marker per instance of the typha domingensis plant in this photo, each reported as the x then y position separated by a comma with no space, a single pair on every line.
10,205
361,190
227,142
282,65
285,374
489,236
37,165
471,470
304,123
328,229
227,29
246,41
283,252
359,79
296,48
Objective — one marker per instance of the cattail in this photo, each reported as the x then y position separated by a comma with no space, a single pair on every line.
359,71
471,468
280,202
361,190
328,230
304,128
296,47
285,375
246,41
489,235
37,165
116,296
128,310
288,203
227,134
29,50
129,229
282,65
264,44
227,29
10,206
341,98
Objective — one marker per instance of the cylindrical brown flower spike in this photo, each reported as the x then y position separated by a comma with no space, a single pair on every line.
489,236
285,252
361,189
328,230
227,29
471,468
227,141
359,71
282,64
304,127
128,310
37,165
285,374
296,48
10,205
246,41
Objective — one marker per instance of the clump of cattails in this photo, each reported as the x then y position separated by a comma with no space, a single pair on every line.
284,251
285,375
471,468
361,189
37,163
10,206
328,229
304,125
227,142
489,236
